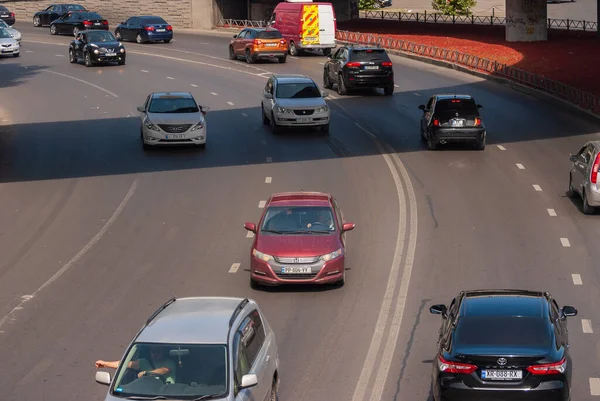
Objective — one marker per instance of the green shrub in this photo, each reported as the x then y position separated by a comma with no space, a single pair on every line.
366,4
454,7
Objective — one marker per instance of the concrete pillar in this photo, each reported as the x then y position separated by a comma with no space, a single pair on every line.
526,20
202,14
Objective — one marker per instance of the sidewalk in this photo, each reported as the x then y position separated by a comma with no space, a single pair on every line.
571,58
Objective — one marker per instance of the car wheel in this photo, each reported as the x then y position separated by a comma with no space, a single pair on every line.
265,119
423,137
480,144
75,31
53,30
326,52
72,57
571,190
324,129
293,50
431,145
283,59
88,60
231,53
167,40
326,81
139,39
118,36
273,393
388,90
341,87
276,128
122,61
587,209
249,58
37,22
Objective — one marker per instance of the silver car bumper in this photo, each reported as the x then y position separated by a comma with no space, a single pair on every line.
293,120
161,138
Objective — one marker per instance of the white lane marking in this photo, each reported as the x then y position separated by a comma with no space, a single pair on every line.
386,306
396,86
269,159
234,268
551,212
193,85
144,70
28,51
249,234
520,166
229,103
537,188
213,93
262,204
170,78
322,63
268,180
565,242
416,94
295,58
576,279
501,147
586,326
82,81
79,254
245,115
594,386
59,55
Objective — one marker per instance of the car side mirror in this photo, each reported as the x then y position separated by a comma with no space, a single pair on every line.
103,378
234,36
422,107
250,226
268,95
573,158
479,106
204,109
325,94
141,109
438,309
348,226
248,381
569,311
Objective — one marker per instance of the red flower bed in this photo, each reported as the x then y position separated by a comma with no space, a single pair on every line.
570,57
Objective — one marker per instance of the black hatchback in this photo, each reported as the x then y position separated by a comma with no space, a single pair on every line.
352,67
502,345
452,118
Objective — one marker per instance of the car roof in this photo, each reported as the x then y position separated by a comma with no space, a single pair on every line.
264,28
445,96
364,47
292,78
507,303
172,95
300,198
203,320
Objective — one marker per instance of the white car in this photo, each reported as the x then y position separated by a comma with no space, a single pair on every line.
8,45
12,31
172,118
294,101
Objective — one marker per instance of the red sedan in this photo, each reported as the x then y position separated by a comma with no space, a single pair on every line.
300,239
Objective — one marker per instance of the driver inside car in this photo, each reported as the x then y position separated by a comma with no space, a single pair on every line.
158,365
320,220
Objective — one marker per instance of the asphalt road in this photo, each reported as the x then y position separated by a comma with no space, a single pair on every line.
101,233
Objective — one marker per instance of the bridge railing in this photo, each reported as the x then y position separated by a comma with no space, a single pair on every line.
585,100
241,23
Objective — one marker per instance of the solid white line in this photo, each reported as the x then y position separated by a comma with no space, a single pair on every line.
551,212
234,268
586,326
501,147
170,78
520,166
594,386
262,204
193,85
249,234
245,115
213,93
143,70
229,103
565,242
576,279
269,159
537,187
79,254
268,180
82,81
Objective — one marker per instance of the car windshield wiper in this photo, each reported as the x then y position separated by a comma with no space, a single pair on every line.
307,232
141,397
206,397
273,231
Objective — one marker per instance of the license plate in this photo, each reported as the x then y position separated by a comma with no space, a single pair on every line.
502,374
178,136
4,16
97,23
304,119
371,67
7,51
271,44
457,123
111,54
310,38
296,270
161,30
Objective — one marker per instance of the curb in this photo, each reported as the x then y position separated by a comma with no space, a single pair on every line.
505,81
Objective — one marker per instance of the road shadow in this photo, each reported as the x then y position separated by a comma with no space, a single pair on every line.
14,74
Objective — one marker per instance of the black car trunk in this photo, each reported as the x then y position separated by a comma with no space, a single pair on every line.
370,62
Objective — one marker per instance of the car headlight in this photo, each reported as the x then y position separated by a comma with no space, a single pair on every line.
96,51
148,124
283,110
262,256
198,126
322,109
122,50
332,255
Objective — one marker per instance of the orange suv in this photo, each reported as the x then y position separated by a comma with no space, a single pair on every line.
255,43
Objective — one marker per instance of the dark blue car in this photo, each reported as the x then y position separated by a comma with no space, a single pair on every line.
145,28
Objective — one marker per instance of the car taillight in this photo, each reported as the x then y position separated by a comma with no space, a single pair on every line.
455,367
594,176
104,22
257,42
477,122
282,41
87,23
12,15
549,368
169,28
436,123
353,64
387,64
149,28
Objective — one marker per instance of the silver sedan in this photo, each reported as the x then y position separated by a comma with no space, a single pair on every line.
16,35
294,101
8,45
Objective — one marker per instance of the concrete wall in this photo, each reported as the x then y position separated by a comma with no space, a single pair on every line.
526,20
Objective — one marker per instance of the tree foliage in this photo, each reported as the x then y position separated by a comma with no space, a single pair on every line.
366,4
454,7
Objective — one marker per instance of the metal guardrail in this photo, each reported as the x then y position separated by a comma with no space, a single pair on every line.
583,99
241,23
436,18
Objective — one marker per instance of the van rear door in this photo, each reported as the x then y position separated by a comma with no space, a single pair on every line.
326,25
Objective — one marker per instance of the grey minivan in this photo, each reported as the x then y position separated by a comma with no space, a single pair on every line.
199,348
583,177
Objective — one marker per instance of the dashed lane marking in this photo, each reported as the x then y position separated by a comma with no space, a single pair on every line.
268,180
501,147
586,326
28,51
565,242
577,279
170,78
59,55
396,86
551,212
144,71
520,166
230,103
269,159
245,115
262,204
193,85
295,58
537,188
594,386
234,268
249,234
213,93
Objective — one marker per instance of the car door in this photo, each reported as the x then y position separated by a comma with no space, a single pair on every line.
582,166
427,113
125,30
339,63
330,65
46,16
268,103
68,23
561,323
448,320
238,40
134,28
80,42
339,216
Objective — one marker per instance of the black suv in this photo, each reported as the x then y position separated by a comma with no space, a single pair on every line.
452,118
502,344
359,67
96,47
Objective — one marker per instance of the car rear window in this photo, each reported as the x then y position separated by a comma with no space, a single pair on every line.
369,55
153,20
269,35
502,331
462,106
89,16
2,8
74,7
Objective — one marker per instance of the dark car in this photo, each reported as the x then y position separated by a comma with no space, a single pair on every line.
54,11
299,239
145,28
452,118
76,21
96,47
7,16
502,345
353,67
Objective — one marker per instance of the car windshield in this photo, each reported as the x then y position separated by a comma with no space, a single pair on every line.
3,24
461,106
190,371
298,91
269,35
100,36
173,105
298,220
502,331
153,20
4,34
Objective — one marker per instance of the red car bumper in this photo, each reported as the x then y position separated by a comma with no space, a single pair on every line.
265,274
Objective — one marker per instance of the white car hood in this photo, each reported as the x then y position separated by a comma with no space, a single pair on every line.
310,102
175,118
6,41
